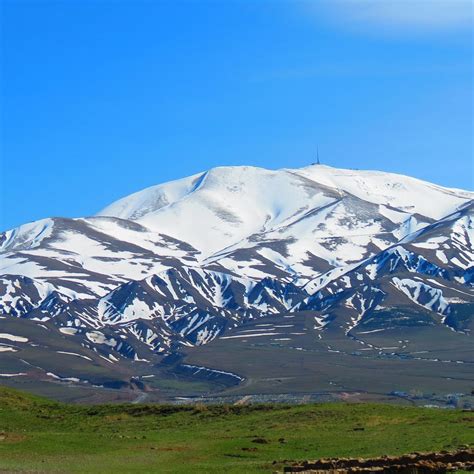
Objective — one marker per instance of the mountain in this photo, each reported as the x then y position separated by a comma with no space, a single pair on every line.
188,262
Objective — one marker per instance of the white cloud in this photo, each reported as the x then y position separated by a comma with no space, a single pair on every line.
418,15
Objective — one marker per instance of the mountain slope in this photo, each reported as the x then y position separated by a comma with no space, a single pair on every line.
361,254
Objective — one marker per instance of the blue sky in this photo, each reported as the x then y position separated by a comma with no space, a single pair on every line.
103,98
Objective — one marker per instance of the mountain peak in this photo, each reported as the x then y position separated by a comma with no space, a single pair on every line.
242,202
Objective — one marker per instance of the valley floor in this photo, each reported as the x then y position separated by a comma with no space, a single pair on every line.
37,435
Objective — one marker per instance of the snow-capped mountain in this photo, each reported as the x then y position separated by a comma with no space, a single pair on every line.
184,262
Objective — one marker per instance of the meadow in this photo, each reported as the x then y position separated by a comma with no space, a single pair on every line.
39,435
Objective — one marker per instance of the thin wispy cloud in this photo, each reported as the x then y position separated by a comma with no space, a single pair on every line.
413,15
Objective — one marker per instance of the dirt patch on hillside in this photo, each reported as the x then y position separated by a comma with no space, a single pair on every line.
416,463
11,437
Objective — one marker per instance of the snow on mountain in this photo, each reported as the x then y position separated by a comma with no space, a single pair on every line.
222,206
91,256
394,191
183,262
21,294
288,223
409,272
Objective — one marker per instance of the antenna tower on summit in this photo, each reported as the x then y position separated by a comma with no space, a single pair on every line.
318,162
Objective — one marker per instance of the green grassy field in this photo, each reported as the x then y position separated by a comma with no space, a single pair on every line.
37,435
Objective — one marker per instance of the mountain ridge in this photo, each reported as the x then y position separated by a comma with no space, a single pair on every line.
185,263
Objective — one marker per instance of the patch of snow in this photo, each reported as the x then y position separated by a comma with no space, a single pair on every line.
13,338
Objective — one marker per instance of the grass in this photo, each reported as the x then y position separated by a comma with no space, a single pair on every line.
38,435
